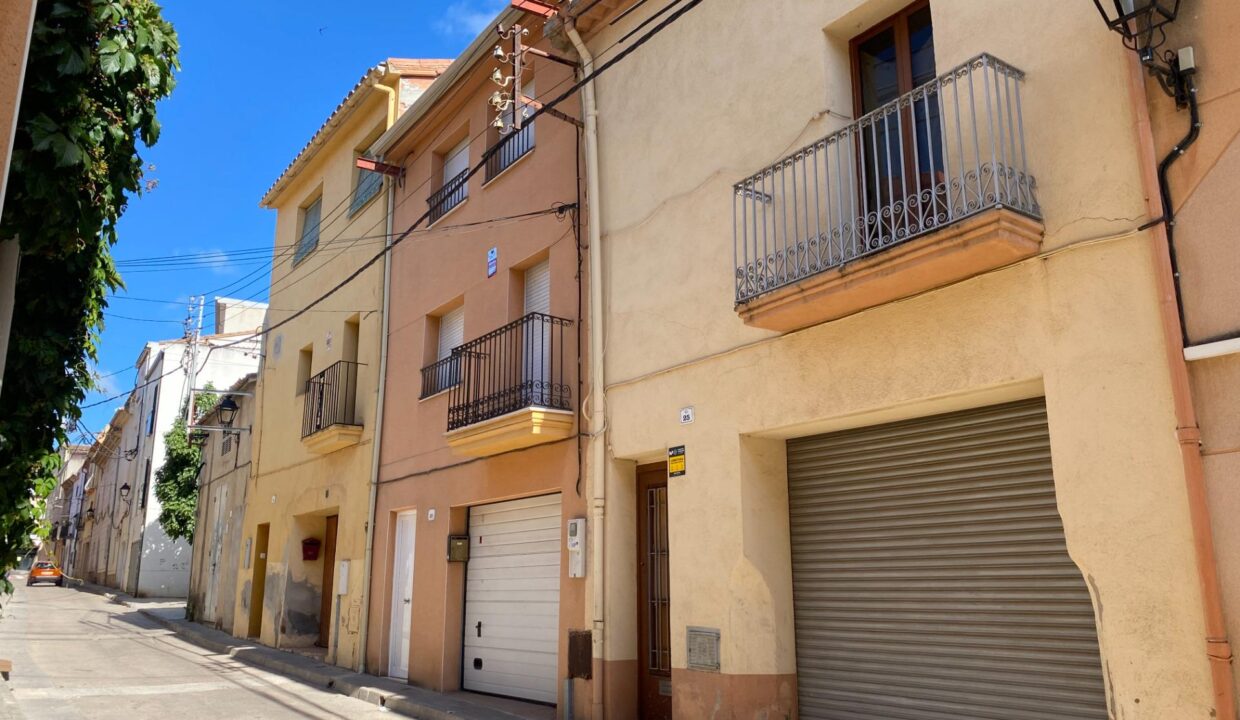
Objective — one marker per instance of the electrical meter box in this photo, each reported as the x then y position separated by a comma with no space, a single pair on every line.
342,578
577,548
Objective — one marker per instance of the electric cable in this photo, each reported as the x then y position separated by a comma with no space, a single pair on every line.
490,151
486,156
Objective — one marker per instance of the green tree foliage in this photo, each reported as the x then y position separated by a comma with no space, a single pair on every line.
176,481
95,73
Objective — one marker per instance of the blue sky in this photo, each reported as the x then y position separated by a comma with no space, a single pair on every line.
257,80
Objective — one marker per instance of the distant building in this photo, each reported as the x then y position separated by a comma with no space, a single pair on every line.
222,484
151,563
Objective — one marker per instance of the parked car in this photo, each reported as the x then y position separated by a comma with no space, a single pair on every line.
44,571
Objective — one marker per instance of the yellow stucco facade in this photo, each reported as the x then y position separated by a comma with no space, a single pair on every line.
735,86
318,386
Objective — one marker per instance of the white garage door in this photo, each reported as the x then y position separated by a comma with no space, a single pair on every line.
930,575
512,598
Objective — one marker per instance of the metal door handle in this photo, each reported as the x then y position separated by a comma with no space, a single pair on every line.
406,601
478,627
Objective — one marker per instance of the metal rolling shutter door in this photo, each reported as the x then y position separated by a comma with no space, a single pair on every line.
930,574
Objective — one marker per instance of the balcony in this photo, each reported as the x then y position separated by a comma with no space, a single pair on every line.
510,150
453,193
929,189
440,376
329,418
513,390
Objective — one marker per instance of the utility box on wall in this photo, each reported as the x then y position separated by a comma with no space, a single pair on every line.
310,549
576,545
458,548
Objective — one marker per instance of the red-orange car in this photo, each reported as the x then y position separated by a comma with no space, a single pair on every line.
44,571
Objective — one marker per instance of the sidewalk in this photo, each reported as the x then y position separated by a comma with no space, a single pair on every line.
390,694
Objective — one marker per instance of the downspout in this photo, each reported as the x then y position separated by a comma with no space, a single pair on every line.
596,467
1188,434
363,636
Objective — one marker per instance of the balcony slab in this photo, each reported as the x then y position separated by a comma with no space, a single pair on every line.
333,438
986,241
520,429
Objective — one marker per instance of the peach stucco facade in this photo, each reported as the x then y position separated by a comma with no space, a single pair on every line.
443,268
1203,185
1076,324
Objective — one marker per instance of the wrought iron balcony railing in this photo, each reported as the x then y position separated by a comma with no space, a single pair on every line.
453,193
440,375
330,399
521,365
511,149
952,148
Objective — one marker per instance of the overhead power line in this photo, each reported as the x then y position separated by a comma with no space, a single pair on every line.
486,156
490,151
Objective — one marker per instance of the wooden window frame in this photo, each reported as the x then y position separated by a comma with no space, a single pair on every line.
898,21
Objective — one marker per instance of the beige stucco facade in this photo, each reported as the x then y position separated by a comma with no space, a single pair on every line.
298,486
532,452
1077,324
227,457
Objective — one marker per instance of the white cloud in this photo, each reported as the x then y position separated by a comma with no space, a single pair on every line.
468,17
217,261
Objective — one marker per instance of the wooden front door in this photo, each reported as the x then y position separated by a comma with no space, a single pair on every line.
258,582
329,581
654,635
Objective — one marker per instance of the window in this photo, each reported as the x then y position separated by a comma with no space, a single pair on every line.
366,185
890,60
150,417
445,372
451,332
516,144
305,359
226,443
311,216
455,187
456,163
146,484
537,361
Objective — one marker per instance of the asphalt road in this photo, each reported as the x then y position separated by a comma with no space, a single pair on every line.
78,655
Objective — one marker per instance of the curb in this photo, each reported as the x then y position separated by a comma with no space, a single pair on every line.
398,698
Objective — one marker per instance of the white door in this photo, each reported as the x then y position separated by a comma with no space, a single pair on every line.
402,595
536,365
512,598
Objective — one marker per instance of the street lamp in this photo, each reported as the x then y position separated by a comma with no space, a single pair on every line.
125,492
90,513
1142,25
228,410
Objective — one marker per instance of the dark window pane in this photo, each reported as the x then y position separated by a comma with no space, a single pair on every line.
921,46
876,67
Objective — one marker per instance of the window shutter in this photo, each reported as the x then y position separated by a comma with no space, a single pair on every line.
538,288
451,332
310,219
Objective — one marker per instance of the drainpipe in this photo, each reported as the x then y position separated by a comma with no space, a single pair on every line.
1218,649
377,84
596,470
364,632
